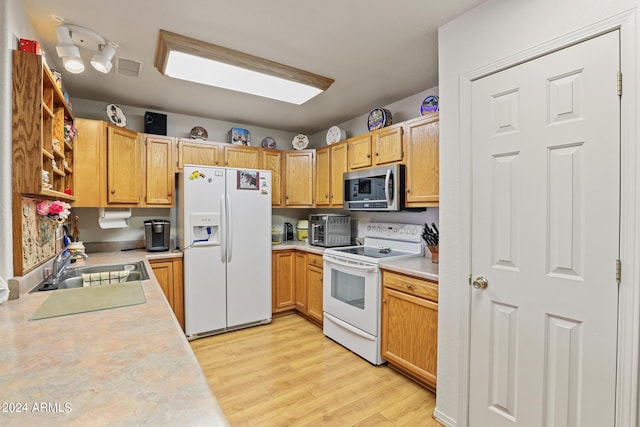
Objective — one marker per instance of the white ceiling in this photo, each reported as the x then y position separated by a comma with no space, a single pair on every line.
378,52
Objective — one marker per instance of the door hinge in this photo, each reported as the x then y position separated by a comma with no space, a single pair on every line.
469,279
618,271
619,83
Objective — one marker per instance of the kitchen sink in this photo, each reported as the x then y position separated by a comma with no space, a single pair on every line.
72,278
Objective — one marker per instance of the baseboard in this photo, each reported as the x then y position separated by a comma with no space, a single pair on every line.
444,419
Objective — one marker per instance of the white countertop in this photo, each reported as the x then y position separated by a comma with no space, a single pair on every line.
123,366
420,266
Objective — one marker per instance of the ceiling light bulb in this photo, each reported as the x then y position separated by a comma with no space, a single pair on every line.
102,61
74,65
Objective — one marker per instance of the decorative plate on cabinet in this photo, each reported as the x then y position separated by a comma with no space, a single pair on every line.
239,136
335,134
429,105
198,132
300,141
268,142
379,118
116,115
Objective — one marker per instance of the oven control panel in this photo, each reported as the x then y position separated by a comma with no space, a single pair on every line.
383,230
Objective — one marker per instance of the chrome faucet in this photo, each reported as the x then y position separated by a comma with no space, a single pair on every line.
61,260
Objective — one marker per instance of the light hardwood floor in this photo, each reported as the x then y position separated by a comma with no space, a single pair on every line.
289,374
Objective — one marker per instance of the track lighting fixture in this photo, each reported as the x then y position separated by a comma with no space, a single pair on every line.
70,37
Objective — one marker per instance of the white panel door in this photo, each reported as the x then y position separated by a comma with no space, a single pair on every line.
545,138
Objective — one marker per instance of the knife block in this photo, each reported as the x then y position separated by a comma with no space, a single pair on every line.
434,253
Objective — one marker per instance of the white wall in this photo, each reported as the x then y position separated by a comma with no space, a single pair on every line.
494,30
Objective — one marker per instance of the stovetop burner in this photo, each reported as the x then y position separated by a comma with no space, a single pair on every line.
373,252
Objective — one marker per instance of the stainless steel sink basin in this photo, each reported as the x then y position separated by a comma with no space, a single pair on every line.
72,278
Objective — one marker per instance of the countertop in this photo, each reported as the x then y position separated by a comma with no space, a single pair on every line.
123,366
420,266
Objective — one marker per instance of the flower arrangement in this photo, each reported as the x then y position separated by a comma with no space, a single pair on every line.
56,210
70,132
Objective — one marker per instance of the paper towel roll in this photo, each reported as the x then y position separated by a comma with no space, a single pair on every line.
113,218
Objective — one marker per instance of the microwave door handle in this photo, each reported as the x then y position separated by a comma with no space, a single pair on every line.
387,194
315,233
352,266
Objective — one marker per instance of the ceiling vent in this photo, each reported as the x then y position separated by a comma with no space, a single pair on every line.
128,67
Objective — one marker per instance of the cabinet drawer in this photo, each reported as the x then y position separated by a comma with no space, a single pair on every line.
411,285
313,259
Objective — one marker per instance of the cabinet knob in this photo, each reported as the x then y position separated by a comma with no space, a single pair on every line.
408,190
169,194
384,300
377,154
368,156
409,285
113,191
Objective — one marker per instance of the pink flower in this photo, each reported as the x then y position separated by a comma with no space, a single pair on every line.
56,208
43,208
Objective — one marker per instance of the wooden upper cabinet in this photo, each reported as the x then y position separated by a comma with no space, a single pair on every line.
360,151
339,165
123,166
423,161
272,161
240,156
43,161
195,153
323,177
159,171
299,178
91,163
387,145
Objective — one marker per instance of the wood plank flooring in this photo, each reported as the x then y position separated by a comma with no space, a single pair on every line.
289,374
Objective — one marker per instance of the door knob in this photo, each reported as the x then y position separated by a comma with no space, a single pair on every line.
480,283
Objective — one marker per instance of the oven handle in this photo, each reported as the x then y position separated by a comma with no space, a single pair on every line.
387,178
332,260
348,327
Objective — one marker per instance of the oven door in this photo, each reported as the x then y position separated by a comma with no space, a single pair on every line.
352,292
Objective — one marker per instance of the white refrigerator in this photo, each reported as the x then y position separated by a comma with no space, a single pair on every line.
225,233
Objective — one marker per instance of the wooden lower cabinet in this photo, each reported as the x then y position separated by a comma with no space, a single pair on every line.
410,326
297,283
283,268
168,272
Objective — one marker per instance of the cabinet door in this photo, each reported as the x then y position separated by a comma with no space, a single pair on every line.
168,272
299,178
123,166
387,145
339,165
191,153
323,178
301,281
359,151
283,271
272,160
159,176
163,270
410,334
423,162
239,156
314,292
90,163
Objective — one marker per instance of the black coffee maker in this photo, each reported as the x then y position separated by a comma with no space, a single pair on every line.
288,232
156,235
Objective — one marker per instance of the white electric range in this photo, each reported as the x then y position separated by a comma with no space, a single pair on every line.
351,295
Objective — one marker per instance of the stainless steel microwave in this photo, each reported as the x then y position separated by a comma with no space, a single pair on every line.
375,189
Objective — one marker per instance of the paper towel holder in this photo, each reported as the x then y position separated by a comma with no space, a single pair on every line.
114,217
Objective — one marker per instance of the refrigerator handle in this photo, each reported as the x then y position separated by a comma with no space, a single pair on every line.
223,234
229,228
